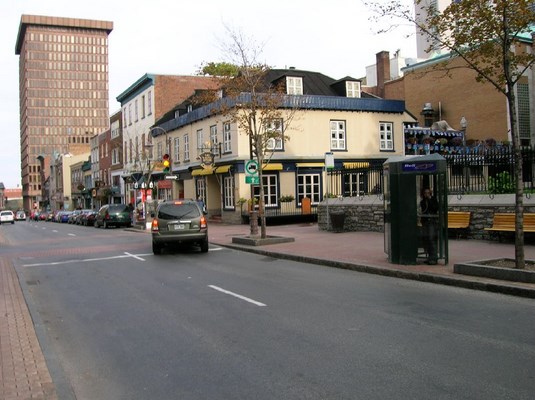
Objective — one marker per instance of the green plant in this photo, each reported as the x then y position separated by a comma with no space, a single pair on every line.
501,183
287,199
330,196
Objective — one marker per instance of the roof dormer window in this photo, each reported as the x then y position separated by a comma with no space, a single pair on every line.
294,85
352,89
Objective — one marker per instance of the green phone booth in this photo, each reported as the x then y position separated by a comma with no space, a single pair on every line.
407,238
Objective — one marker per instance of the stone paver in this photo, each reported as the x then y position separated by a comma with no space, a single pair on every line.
23,370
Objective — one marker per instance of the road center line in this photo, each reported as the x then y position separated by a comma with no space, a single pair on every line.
239,296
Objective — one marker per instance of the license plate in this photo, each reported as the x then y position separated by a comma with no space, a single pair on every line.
179,227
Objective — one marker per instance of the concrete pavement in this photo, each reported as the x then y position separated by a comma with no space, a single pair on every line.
23,370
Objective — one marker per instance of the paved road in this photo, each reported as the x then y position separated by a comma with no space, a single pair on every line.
117,322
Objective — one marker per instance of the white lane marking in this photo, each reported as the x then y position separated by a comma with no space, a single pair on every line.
71,234
134,256
215,248
239,296
138,256
54,230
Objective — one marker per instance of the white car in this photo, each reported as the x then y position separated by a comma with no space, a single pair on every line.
7,216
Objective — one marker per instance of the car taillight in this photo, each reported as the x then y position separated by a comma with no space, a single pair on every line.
204,225
107,216
154,226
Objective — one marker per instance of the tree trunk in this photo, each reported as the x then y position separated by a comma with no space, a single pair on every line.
519,186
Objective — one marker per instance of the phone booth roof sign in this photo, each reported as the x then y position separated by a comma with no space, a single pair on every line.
428,164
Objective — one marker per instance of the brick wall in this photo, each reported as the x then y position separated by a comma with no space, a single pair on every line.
171,90
484,107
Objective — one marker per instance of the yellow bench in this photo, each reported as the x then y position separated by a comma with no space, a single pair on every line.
459,219
505,222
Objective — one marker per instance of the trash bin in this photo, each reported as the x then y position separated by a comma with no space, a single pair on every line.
337,220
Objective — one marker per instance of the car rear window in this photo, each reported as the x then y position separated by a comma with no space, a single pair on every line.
174,211
118,208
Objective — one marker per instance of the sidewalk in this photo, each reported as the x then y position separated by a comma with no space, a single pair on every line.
364,251
23,371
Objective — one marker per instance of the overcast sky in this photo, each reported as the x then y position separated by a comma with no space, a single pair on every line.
175,37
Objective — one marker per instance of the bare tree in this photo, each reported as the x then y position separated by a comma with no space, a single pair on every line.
484,34
261,110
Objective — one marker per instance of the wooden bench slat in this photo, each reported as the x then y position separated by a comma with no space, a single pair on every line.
459,219
506,222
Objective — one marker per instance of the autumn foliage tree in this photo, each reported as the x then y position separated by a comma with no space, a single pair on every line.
485,35
260,109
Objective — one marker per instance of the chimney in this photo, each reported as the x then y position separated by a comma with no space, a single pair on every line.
383,71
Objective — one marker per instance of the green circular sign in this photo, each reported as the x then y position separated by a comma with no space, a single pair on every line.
251,167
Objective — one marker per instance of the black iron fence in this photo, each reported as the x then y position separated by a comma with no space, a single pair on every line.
487,171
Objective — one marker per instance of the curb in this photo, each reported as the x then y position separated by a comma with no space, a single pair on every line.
466,283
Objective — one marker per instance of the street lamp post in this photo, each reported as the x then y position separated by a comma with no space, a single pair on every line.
464,124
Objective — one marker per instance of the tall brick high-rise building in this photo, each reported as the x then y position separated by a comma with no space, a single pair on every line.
64,92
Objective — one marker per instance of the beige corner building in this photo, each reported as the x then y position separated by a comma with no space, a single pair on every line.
64,93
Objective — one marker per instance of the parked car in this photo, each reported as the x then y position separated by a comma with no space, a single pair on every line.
88,218
74,214
7,216
113,215
177,222
20,216
63,216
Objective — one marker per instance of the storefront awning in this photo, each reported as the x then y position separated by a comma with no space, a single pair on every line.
202,171
353,165
223,169
272,167
310,165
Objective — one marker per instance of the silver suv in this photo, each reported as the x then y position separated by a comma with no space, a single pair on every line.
179,221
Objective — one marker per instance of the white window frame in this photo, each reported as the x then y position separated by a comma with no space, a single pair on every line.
275,125
271,190
294,85
213,134
159,151
176,150
115,156
309,185
227,137
149,102
200,140
186,147
142,107
228,192
200,188
338,134
353,89
386,136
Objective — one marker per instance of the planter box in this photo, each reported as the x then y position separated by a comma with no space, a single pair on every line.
485,269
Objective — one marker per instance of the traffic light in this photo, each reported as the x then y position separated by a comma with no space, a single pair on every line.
166,163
